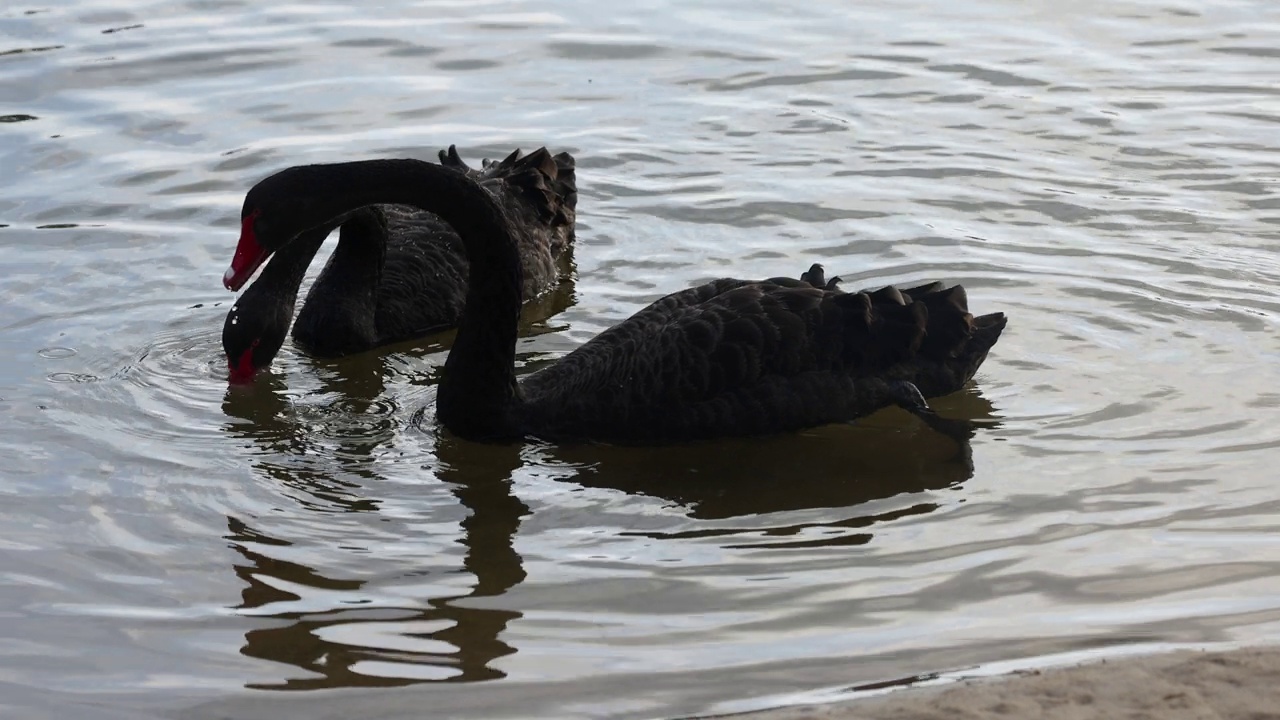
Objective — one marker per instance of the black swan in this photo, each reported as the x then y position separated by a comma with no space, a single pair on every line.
398,272
731,357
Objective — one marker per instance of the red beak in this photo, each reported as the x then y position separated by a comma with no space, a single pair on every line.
241,372
248,258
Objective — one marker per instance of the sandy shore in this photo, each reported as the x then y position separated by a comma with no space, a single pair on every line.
1184,685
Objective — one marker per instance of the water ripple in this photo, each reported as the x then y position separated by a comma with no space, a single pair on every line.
1107,179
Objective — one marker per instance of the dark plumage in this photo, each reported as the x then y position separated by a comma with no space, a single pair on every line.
731,357
398,272
740,357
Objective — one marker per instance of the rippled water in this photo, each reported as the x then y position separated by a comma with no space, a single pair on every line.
1105,173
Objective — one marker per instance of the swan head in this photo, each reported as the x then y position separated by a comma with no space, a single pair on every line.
275,211
251,336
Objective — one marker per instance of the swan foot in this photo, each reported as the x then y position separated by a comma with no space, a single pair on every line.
907,396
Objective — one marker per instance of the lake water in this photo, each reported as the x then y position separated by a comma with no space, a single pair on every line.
1108,174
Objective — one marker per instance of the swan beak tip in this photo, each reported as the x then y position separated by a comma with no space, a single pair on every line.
230,281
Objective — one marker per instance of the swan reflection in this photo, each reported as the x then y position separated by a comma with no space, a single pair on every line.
347,643
324,446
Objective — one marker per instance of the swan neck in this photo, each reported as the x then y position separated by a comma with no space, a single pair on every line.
283,274
478,392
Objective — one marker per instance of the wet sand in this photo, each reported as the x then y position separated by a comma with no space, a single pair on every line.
1182,685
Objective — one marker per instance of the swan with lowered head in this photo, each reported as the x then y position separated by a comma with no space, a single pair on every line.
398,272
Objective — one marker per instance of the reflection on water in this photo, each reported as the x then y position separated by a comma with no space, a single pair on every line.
829,467
347,641
440,639
433,639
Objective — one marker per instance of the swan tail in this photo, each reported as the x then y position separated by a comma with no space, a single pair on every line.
547,183
817,277
955,343
451,159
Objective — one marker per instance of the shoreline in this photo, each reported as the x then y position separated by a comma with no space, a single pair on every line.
1148,682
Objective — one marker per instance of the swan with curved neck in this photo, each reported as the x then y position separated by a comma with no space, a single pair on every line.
398,273
730,357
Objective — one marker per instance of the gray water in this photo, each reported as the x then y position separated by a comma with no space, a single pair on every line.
1104,173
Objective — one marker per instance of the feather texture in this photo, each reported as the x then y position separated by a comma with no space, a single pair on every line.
735,357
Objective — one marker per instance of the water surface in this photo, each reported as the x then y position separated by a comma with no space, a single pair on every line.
1105,173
